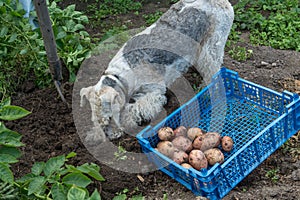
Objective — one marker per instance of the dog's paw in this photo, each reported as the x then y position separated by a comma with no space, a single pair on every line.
95,136
113,133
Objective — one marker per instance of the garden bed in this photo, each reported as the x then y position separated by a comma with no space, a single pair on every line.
50,131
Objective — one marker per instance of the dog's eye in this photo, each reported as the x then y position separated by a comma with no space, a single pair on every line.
131,100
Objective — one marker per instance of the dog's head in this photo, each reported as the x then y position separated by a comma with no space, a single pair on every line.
107,99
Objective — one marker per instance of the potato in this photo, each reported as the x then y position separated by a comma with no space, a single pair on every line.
227,143
214,156
186,165
197,159
180,156
192,133
198,141
183,143
180,131
207,141
166,133
166,148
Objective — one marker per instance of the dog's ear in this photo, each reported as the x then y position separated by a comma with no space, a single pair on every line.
89,94
116,107
85,93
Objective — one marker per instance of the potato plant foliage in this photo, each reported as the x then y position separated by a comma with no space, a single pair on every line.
22,49
53,179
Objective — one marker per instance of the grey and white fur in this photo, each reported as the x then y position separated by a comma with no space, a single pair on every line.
132,90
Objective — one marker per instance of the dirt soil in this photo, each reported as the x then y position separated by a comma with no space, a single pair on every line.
50,131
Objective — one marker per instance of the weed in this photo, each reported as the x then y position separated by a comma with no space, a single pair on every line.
273,174
240,53
123,195
165,197
109,8
273,23
121,153
113,31
234,35
115,7
153,17
292,147
196,88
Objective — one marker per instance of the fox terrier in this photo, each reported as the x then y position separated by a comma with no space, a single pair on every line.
133,87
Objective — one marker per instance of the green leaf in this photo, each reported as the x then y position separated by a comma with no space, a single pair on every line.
71,155
91,170
78,27
34,36
6,158
138,197
16,153
13,37
94,166
71,8
9,138
58,192
70,24
36,185
26,178
5,102
84,19
4,31
54,164
84,33
23,51
12,112
37,168
95,195
120,197
42,53
72,78
61,35
69,59
15,13
6,174
76,193
11,151
76,178
64,171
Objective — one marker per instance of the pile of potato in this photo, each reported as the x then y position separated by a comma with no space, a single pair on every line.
193,147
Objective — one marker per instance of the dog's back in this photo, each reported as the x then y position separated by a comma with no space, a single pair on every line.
183,37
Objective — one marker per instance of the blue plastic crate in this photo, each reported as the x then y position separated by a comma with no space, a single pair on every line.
258,119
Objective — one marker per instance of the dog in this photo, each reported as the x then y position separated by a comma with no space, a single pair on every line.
132,90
